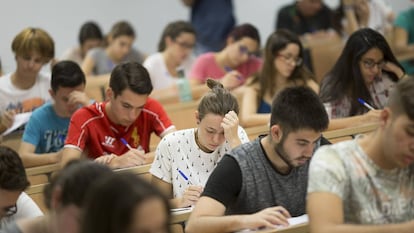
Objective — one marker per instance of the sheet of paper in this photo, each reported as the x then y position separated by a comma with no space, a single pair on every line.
19,120
298,220
181,210
292,222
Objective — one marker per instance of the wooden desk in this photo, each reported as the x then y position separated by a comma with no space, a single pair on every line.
139,170
254,132
180,216
43,170
301,228
348,133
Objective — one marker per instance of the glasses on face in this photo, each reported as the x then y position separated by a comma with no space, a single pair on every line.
244,50
9,211
184,45
369,64
289,58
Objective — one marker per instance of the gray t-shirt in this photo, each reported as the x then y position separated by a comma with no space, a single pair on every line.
104,65
370,195
246,182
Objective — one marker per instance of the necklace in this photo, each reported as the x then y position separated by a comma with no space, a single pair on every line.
203,148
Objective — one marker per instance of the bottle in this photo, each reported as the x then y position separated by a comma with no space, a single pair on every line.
184,88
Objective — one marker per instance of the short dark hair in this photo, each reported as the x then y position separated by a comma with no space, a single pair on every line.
401,99
111,203
89,31
174,30
218,101
296,108
130,75
245,30
66,74
12,173
74,180
122,28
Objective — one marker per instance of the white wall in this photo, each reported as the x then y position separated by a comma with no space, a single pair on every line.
62,19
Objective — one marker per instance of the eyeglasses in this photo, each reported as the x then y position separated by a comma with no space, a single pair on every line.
9,211
289,58
184,45
369,64
244,50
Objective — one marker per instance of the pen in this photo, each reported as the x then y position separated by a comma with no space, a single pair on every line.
365,104
126,143
228,69
184,176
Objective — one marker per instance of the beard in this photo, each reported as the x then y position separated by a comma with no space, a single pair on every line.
280,150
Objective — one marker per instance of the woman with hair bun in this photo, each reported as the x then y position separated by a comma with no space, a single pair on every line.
185,159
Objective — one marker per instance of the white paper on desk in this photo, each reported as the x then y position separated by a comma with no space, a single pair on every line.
292,222
298,220
181,210
19,120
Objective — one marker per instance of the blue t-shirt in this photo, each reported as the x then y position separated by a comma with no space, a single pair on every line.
405,20
46,130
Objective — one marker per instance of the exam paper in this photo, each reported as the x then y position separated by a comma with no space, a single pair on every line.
19,120
292,222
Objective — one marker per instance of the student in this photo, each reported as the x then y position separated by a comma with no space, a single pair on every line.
367,184
196,152
309,19
174,54
46,130
117,132
65,198
90,36
366,69
305,16
404,36
282,67
233,64
101,61
26,88
352,15
14,203
125,203
213,20
262,183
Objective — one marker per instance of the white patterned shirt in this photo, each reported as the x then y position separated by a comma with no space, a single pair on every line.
370,195
179,151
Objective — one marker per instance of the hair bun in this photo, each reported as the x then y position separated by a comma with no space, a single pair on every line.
212,84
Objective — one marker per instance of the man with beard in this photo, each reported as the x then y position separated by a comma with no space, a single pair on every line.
263,183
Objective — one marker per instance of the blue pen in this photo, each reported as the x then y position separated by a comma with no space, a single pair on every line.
126,143
184,176
228,69
365,104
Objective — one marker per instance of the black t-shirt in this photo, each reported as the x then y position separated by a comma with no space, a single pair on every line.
225,183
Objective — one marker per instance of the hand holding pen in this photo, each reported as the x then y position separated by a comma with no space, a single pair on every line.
373,115
231,79
133,157
191,194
